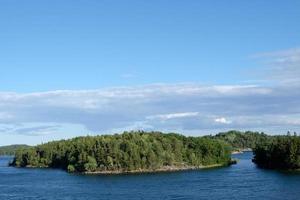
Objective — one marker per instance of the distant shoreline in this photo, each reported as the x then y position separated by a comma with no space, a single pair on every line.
239,151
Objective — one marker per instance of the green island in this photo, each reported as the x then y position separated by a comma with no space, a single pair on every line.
11,150
129,152
270,151
139,151
279,152
242,141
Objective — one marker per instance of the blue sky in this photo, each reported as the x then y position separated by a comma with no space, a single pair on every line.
93,50
47,45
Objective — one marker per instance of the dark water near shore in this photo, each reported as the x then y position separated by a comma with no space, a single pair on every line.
241,181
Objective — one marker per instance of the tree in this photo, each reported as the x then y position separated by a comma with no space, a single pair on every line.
71,168
91,164
280,152
126,152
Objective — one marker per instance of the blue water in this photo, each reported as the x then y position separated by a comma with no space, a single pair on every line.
241,181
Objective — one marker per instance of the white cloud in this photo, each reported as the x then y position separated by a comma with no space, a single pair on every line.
173,115
167,107
222,120
5,116
186,108
174,107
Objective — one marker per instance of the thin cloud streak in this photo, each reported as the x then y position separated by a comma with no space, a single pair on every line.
173,115
282,66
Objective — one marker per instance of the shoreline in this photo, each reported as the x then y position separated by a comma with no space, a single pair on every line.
240,151
142,171
163,169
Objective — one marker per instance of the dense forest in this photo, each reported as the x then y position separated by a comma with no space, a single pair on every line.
242,140
11,149
130,151
142,151
237,139
279,152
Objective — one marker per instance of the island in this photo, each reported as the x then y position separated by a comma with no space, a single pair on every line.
11,150
140,151
130,152
279,152
242,141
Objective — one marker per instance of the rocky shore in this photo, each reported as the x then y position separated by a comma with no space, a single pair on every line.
163,169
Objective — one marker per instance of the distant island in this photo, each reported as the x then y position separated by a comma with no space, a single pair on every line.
129,152
10,150
242,141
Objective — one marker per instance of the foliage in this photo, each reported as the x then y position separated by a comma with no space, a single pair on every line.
242,140
125,152
280,152
11,149
71,168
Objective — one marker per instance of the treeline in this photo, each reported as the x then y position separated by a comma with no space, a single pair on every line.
126,152
12,149
242,140
270,151
237,139
279,152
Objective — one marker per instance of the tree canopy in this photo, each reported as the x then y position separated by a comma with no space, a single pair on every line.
279,152
242,140
11,149
126,152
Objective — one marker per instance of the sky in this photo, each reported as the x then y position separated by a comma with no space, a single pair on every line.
70,68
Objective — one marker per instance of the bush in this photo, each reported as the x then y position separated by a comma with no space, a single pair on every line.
91,165
71,169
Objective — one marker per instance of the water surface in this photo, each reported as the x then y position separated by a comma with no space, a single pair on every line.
241,181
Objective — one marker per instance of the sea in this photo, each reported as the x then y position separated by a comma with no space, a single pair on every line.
241,181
